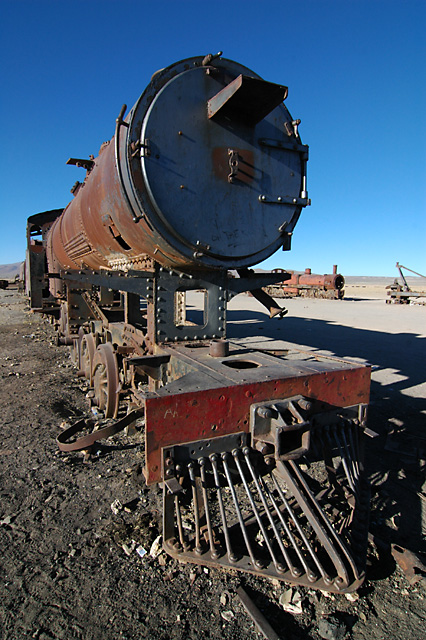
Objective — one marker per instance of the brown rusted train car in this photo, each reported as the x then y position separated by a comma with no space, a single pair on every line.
308,285
259,455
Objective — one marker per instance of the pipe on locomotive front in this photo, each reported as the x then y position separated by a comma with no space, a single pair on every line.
199,175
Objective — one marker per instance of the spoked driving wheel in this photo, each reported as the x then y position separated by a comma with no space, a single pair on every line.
105,379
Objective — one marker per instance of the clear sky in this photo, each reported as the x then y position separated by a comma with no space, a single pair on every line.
356,76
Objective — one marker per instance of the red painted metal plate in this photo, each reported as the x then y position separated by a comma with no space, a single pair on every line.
212,412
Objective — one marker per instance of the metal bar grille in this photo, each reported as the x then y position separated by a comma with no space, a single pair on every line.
301,521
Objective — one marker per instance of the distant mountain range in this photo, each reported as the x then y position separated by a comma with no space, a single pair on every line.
9,271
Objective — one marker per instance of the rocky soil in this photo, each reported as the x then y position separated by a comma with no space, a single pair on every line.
73,568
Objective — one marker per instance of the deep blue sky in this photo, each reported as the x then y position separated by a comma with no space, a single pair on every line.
356,76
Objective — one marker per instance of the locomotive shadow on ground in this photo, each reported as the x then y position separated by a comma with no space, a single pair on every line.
396,475
402,352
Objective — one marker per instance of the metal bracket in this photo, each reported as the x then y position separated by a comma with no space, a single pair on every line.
233,158
176,459
301,202
83,163
208,59
279,429
142,149
171,288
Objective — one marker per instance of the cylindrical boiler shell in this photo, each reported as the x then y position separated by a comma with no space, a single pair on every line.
162,189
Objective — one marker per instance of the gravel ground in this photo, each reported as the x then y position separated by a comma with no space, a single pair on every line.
64,572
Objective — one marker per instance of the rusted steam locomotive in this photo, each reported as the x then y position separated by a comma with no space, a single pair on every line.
258,452
308,285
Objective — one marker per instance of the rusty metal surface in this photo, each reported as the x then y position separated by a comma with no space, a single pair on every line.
132,205
264,298
38,227
105,380
308,284
401,293
65,442
411,565
328,280
396,295
302,521
259,451
165,315
214,399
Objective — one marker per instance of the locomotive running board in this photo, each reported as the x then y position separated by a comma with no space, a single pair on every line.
302,521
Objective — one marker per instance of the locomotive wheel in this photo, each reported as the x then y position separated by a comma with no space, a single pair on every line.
105,379
87,352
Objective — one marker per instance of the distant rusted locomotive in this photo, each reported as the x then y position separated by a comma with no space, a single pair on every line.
258,452
308,285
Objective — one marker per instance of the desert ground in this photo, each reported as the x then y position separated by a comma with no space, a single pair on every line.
67,568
